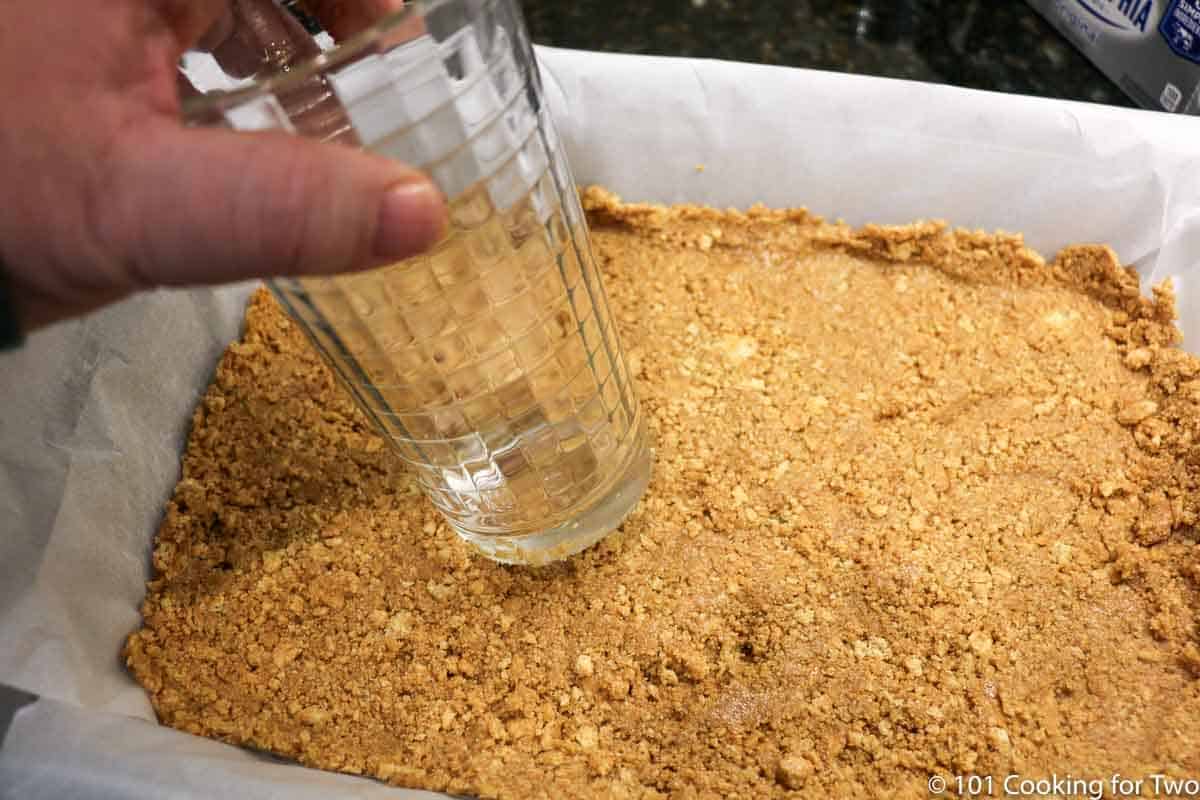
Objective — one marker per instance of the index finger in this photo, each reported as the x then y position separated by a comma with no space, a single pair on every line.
345,18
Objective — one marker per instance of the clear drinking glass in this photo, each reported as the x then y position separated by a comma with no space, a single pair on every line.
492,363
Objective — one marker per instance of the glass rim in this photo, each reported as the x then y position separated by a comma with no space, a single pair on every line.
200,109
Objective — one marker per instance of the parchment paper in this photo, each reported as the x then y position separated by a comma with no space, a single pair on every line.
95,411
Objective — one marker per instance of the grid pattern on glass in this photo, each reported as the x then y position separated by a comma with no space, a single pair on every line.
491,363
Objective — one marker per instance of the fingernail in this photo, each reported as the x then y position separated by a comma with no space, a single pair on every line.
412,219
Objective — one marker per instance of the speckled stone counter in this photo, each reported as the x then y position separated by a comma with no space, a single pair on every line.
1001,45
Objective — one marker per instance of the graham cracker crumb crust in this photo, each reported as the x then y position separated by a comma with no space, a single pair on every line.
923,503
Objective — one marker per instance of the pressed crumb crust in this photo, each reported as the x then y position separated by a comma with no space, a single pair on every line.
923,504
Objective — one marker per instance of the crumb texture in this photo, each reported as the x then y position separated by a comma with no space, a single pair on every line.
924,502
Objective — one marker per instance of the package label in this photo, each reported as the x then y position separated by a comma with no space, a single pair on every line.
1180,26
1150,48
1121,15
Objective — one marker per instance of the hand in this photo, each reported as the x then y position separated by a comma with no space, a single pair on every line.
104,192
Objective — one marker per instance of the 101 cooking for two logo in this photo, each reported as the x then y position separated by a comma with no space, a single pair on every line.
1064,786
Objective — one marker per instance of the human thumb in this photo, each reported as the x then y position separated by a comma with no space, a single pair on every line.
213,206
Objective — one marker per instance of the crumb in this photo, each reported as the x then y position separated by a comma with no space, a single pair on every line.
793,771
700,167
924,502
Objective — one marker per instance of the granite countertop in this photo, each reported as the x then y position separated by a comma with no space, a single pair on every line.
983,44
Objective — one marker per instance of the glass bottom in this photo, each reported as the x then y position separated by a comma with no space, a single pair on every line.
580,531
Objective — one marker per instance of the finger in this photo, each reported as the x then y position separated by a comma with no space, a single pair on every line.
345,18
211,206
219,32
189,20
263,36
187,90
